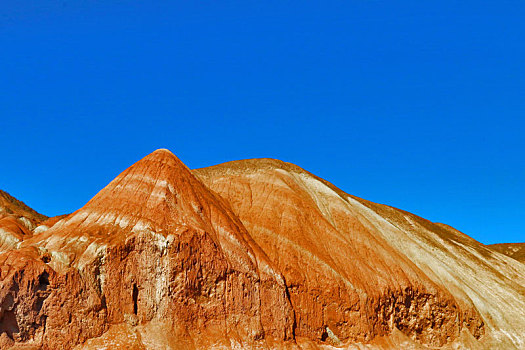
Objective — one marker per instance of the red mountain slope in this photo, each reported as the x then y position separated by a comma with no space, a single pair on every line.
154,248
255,254
368,269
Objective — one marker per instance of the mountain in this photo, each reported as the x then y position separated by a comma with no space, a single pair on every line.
253,254
154,255
365,269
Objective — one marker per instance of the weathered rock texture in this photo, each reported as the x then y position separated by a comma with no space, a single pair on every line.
342,275
514,250
156,245
302,220
249,254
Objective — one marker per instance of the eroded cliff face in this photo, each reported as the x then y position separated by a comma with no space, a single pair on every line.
41,308
346,283
429,281
155,245
251,254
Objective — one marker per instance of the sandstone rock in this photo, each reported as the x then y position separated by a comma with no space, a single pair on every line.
156,244
256,254
48,223
343,277
367,270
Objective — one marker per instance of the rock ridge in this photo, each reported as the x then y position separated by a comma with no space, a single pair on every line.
249,254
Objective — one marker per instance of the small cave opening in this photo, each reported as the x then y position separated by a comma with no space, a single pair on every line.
38,304
324,335
43,281
135,299
9,324
103,302
46,258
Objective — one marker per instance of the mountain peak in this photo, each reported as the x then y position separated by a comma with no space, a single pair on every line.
162,150
157,193
163,155
157,244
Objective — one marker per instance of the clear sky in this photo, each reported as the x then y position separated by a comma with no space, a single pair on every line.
416,104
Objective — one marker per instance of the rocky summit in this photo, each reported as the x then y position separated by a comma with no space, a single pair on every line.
251,254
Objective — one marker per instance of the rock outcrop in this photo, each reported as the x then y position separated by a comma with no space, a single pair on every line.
155,246
255,254
394,264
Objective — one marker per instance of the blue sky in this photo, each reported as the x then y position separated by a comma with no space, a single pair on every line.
415,104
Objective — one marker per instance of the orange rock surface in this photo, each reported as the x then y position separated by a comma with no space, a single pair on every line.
255,254
346,282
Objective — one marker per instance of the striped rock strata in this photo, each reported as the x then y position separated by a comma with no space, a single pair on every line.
255,254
